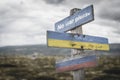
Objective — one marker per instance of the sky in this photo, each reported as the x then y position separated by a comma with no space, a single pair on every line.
25,22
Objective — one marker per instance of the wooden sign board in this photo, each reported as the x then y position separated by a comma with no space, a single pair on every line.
76,63
74,41
81,17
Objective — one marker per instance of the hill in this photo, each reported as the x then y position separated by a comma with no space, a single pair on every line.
43,49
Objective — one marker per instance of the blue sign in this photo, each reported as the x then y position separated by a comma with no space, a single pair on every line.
70,64
81,17
75,41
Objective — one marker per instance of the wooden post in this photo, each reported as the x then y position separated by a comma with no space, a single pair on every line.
78,74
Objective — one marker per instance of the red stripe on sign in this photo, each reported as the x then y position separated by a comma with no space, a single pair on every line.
77,66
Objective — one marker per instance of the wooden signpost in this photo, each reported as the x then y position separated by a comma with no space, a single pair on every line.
76,41
80,73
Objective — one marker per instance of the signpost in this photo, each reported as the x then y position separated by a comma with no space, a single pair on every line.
76,41
80,17
75,63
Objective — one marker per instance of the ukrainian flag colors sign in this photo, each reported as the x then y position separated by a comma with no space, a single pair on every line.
75,41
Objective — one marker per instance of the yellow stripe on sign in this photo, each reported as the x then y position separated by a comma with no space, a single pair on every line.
77,45
59,43
92,46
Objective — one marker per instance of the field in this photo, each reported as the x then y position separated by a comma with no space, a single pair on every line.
43,68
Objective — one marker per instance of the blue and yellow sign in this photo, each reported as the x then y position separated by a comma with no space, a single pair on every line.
75,41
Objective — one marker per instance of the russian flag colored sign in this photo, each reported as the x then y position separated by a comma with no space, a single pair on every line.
76,63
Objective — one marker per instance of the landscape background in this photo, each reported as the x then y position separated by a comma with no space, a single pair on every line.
37,62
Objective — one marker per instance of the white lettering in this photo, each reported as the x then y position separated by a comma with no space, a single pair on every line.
73,21
69,22
81,17
60,26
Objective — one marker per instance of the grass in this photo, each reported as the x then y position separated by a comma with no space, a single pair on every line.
43,68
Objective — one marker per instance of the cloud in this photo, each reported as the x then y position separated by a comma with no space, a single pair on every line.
21,39
54,1
26,21
108,14
110,11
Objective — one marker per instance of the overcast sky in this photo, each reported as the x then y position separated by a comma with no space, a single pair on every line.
25,22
